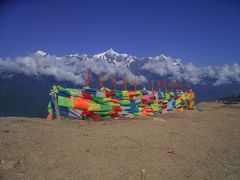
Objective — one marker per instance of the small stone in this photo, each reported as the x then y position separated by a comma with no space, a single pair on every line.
143,171
87,150
171,151
6,131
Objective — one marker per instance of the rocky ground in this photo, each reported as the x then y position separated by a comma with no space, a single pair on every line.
199,144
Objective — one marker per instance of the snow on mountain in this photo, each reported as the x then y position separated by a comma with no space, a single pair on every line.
111,56
40,53
104,55
162,58
118,59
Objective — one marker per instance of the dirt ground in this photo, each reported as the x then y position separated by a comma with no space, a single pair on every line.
199,144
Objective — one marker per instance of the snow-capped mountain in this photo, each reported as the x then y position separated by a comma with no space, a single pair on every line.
120,59
111,56
163,58
106,54
40,53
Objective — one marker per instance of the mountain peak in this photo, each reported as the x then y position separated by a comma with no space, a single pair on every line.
161,57
112,52
40,53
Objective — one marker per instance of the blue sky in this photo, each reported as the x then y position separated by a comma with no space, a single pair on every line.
202,32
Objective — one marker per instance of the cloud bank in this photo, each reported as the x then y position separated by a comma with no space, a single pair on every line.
74,69
174,69
65,68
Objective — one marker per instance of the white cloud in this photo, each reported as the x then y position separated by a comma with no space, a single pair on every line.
70,69
74,70
188,72
227,74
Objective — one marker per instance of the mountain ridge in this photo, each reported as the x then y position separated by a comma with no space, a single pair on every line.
111,56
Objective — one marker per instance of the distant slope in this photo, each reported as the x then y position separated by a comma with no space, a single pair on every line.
24,96
230,99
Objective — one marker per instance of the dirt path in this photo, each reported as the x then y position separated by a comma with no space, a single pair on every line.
186,145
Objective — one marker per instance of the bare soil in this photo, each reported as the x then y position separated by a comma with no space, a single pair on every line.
199,144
